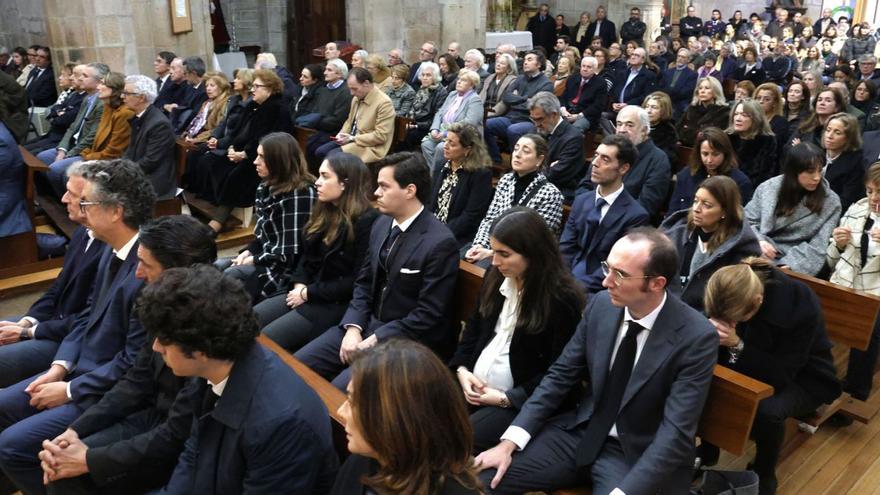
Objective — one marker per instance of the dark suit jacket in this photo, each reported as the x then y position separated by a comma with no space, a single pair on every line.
41,89
423,268
172,92
530,354
846,175
565,159
871,148
543,33
14,217
188,107
607,31
152,147
413,79
149,385
593,100
62,116
756,75
269,433
663,400
584,251
106,338
638,89
683,90
56,310
469,203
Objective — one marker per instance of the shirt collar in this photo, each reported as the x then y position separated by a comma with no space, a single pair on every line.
143,112
219,387
508,288
406,223
122,253
555,126
648,321
611,198
335,84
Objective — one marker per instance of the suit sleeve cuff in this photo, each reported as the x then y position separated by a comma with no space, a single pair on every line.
517,435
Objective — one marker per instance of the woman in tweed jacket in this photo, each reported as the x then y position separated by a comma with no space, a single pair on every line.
854,257
282,208
524,186
793,214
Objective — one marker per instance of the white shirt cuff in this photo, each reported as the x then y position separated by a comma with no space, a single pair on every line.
360,329
617,491
65,364
33,321
70,397
517,435
32,330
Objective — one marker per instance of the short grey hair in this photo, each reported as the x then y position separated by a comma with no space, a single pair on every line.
143,85
434,67
641,114
682,49
119,182
867,58
194,64
511,62
592,61
101,70
473,52
546,101
266,60
339,66
363,54
469,76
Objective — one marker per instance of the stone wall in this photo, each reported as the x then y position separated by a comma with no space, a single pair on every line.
258,23
23,24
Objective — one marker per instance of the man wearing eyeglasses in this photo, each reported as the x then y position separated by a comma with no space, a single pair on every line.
105,338
426,54
40,83
152,138
648,360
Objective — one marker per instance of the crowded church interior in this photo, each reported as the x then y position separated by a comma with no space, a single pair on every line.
374,247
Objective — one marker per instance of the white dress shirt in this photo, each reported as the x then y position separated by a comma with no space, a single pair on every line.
609,200
493,365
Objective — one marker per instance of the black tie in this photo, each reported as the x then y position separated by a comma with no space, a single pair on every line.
209,402
388,246
607,406
112,270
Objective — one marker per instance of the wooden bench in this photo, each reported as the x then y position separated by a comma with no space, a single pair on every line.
401,127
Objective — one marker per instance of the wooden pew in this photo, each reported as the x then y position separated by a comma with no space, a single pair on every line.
400,130
302,135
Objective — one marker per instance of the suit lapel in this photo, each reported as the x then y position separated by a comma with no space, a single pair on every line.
124,271
406,244
612,216
661,341
599,354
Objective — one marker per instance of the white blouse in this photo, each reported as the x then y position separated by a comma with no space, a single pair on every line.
493,365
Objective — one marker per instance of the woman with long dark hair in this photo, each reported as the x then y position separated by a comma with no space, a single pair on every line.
828,102
335,242
793,214
282,207
406,425
529,307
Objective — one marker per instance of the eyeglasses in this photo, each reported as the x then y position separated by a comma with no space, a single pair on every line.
619,277
83,204
255,85
126,94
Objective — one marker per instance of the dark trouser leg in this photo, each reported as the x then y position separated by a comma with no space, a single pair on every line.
24,359
768,430
860,370
322,354
489,424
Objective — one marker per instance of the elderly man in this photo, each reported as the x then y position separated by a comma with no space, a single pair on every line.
395,57
427,53
565,157
331,51
515,122
130,440
178,76
152,139
117,198
40,83
171,83
774,29
647,359
193,97
268,61
584,97
868,70
368,131
648,178
679,82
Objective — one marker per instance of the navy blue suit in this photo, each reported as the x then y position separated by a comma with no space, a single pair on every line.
40,87
683,90
640,87
188,106
413,303
56,311
171,92
102,345
565,158
14,217
593,100
584,251
268,433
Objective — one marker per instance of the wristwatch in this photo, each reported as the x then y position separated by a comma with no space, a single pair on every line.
735,351
24,335
505,403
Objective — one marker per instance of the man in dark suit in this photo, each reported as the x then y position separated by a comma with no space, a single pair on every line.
633,29
679,83
690,25
823,23
633,85
602,216
565,157
40,84
117,198
405,285
152,139
30,342
61,116
543,28
130,440
257,427
162,66
648,360
868,70
871,148
426,54
602,28
585,97
193,96
173,89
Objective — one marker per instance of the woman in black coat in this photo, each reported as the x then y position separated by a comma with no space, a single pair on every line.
844,165
663,133
335,243
771,329
231,180
462,186
708,108
529,308
753,142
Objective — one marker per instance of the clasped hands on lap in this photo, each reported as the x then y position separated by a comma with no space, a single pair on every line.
49,390
63,457
354,342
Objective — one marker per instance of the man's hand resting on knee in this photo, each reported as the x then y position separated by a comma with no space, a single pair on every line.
497,457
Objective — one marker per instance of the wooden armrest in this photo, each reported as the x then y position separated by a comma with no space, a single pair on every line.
730,409
331,396
33,163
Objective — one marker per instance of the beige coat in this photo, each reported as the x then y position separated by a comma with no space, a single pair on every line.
375,126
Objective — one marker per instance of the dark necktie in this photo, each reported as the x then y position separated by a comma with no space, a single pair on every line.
388,246
112,270
158,85
577,97
607,406
209,402
593,218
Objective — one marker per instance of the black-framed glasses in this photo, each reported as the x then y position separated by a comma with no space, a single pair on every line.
83,204
618,276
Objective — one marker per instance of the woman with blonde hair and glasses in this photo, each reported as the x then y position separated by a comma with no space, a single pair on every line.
407,427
